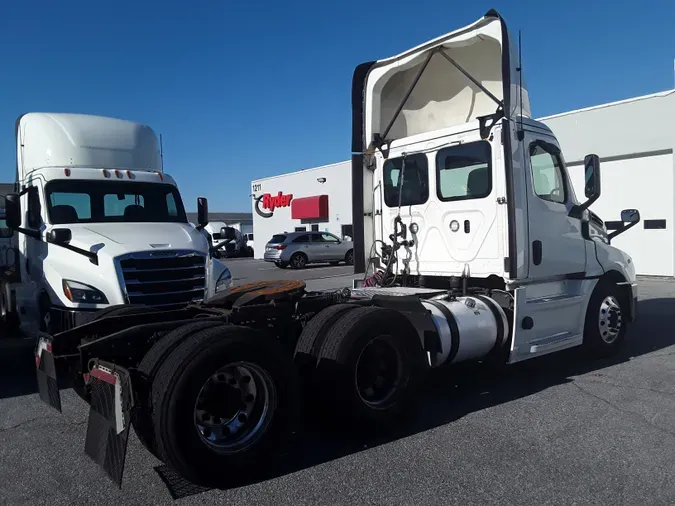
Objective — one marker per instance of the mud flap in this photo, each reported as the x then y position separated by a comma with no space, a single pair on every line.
109,418
46,372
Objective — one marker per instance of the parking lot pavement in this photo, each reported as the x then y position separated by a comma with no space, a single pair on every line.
558,430
245,270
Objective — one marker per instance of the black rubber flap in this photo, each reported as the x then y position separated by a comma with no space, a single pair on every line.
109,419
46,372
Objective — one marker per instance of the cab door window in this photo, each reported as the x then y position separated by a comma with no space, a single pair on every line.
548,178
34,210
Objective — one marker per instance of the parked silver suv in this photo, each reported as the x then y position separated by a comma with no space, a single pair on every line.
298,249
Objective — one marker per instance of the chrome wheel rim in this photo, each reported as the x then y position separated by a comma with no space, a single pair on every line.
235,407
609,319
378,372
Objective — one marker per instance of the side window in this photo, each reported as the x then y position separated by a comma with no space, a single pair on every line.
34,208
547,175
302,238
464,172
171,205
329,238
410,183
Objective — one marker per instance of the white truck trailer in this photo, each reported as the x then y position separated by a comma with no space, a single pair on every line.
97,223
480,249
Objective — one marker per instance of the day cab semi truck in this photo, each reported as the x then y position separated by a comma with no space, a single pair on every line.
473,247
95,222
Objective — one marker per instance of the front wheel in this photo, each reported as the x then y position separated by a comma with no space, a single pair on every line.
349,257
605,324
224,401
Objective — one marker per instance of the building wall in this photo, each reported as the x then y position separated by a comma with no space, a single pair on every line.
634,140
301,184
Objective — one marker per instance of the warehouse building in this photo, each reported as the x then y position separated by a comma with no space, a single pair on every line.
634,139
318,199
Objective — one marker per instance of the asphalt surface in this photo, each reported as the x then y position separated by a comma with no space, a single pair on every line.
558,430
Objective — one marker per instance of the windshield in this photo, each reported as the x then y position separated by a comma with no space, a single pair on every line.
113,202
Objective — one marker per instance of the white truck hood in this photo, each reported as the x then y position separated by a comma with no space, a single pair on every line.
114,239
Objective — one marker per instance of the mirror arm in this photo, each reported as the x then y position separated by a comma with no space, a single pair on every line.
621,230
576,210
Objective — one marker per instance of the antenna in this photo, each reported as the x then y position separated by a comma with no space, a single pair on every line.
521,132
161,152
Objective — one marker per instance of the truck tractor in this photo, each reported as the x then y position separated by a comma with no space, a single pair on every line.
96,222
473,247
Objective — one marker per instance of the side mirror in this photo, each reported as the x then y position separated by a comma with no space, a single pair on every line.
13,211
59,236
591,185
630,218
592,177
202,211
228,233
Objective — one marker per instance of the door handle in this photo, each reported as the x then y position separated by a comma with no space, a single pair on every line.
536,252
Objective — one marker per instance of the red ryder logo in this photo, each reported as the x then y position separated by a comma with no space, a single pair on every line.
271,202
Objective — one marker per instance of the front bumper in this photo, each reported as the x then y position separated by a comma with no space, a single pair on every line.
64,318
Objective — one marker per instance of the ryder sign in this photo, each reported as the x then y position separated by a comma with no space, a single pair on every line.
267,203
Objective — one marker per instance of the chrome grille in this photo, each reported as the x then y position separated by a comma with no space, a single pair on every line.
163,278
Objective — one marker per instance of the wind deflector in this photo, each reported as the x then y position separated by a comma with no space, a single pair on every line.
454,79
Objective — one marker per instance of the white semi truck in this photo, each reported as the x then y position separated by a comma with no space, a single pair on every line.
96,223
237,246
479,248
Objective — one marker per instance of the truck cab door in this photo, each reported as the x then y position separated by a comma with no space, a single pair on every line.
32,253
557,247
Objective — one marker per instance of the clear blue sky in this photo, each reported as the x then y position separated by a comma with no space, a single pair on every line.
242,90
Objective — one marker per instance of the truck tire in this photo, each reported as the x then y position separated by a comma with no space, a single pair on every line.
605,323
364,347
311,339
190,418
141,415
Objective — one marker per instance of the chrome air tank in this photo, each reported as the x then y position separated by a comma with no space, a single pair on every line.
469,328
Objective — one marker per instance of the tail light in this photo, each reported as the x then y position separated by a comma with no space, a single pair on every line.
280,247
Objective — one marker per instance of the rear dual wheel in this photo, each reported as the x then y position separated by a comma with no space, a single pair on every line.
368,365
221,401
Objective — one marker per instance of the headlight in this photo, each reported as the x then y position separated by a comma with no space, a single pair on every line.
79,292
224,281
